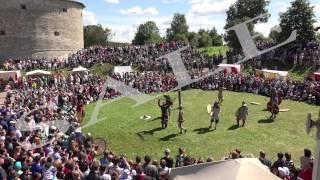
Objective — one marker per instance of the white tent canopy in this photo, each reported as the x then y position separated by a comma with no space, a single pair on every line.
6,75
273,74
38,72
80,69
230,68
239,169
122,69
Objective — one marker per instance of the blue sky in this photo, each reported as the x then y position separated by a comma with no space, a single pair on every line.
124,16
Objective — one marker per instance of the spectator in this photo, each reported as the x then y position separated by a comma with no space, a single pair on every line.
306,159
149,169
279,163
180,158
167,158
264,160
306,174
94,172
289,164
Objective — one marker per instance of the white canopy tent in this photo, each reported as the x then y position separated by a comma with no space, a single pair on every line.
80,69
231,68
239,169
273,74
38,73
6,75
122,69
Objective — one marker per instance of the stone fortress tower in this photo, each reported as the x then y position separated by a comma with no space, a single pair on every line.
40,28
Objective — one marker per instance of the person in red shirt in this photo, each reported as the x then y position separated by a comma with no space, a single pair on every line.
307,173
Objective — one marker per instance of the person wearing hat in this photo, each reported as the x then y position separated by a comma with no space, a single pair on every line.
242,114
215,115
181,120
167,158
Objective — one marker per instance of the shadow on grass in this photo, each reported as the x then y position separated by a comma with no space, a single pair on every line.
233,127
203,130
150,132
169,137
265,121
154,119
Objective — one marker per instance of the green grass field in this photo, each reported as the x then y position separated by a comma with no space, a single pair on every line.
126,133
214,50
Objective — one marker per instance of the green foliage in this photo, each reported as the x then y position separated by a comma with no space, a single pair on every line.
204,40
147,33
274,33
217,50
178,29
193,39
300,16
96,35
209,38
318,37
127,134
241,11
102,69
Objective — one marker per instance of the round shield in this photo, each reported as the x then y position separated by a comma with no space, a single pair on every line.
209,109
99,145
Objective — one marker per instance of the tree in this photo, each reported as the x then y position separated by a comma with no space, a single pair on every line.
96,35
207,38
147,33
241,11
274,34
193,39
318,37
300,16
204,40
215,37
179,27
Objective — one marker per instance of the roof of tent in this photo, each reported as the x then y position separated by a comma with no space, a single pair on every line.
239,169
79,69
38,72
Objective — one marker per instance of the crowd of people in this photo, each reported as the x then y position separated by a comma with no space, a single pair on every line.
296,55
71,154
146,58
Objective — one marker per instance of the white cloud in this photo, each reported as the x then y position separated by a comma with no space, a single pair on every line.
137,10
205,22
210,7
89,18
126,32
171,1
281,7
112,1
122,33
317,9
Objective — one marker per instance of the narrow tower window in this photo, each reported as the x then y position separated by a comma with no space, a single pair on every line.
2,32
23,6
64,10
56,33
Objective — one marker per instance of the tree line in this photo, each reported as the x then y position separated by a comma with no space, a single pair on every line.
299,16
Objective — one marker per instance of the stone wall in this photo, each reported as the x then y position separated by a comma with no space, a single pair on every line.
40,28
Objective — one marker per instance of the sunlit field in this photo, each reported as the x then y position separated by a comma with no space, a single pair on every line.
126,133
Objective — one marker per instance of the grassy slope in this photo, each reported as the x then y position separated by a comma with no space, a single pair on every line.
287,133
214,50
